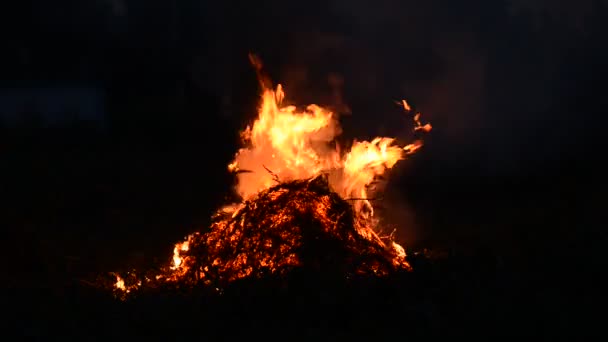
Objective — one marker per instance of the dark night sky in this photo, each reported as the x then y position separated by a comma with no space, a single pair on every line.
514,90
493,77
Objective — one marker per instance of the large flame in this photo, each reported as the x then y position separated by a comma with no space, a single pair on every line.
286,144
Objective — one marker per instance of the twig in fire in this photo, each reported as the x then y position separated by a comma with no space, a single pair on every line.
389,236
364,199
274,175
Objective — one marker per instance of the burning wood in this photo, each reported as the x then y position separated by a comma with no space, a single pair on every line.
295,184
300,224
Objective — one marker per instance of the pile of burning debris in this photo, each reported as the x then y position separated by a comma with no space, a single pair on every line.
305,204
298,224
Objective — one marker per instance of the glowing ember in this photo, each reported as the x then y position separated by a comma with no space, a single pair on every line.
294,182
120,283
177,259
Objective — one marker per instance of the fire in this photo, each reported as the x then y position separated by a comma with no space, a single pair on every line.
124,289
289,168
120,283
292,144
177,259
298,145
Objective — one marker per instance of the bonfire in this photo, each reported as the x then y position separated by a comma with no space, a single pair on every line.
305,204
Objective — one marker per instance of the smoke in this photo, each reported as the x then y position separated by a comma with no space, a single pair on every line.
119,7
484,73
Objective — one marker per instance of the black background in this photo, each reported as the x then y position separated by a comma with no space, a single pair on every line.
511,176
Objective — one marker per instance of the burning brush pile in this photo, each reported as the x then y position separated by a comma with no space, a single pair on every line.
305,204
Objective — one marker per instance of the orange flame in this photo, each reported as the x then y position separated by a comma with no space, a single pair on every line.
286,144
